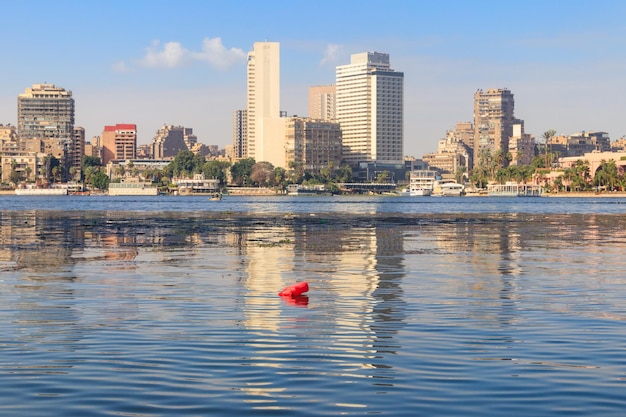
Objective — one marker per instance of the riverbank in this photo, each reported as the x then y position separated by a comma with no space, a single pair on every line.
593,194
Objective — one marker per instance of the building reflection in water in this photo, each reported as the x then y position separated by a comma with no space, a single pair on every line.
367,282
355,278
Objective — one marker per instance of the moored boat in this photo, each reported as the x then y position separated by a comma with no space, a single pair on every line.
421,183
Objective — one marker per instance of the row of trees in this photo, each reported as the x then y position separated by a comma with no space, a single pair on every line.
494,166
245,172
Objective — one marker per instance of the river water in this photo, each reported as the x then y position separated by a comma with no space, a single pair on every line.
168,306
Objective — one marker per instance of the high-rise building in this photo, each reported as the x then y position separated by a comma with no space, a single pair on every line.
263,104
322,99
240,134
45,111
119,142
370,109
77,150
169,140
493,119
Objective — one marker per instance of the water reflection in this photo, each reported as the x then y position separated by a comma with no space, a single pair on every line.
386,292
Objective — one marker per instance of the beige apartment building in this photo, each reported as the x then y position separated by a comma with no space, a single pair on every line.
521,146
21,166
45,111
8,138
169,140
493,119
315,144
322,102
119,142
451,155
370,109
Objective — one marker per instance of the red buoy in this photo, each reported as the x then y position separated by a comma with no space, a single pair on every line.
295,290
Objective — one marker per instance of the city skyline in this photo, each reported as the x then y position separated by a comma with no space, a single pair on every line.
184,63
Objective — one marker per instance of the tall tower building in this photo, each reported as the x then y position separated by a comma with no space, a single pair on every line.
240,134
77,150
322,99
45,111
119,142
370,109
263,103
493,119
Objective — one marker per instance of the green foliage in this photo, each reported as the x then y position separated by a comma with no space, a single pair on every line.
185,164
91,161
99,180
608,176
216,169
241,170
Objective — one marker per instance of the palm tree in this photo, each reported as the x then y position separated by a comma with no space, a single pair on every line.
606,175
547,136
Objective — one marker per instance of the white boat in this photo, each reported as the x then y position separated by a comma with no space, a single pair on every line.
451,189
421,183
420,192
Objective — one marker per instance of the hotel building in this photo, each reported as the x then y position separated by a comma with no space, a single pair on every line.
263,142
369,108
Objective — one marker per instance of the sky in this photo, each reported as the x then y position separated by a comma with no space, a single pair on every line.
183,62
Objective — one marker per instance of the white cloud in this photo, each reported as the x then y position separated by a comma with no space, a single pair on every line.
330,54
214,52
170,55
174,55
120,67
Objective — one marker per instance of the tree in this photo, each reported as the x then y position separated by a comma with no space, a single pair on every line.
382,177
120,170
280,178
296,173
459,175
241,170
91,161
100,180
484,170
262,174
607,175
344,173
215,169
185,163
547,137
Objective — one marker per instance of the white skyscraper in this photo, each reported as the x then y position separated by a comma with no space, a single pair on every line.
370,109
263,104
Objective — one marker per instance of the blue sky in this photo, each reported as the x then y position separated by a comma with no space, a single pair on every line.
183,62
